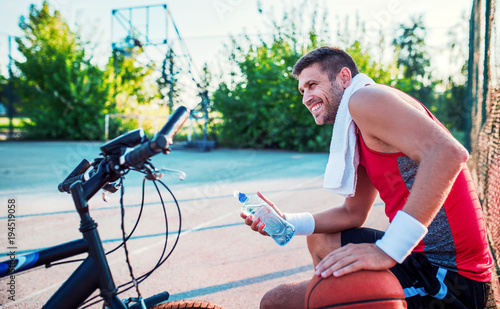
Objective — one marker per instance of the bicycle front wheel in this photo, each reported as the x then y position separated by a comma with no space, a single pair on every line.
181,304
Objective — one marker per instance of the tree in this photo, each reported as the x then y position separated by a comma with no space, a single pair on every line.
126,80
62,93
168,81
410,48
454,109
264,109
414,62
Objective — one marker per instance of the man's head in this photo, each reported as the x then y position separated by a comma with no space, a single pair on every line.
330,59
323,75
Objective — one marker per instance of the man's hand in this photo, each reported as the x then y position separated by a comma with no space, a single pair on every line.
256,223
354,257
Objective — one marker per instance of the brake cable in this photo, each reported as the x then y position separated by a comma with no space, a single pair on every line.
123,287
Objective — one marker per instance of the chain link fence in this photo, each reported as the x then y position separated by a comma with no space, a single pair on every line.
484,120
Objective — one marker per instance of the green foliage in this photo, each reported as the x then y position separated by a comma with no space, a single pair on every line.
380,73
168,83
413,61
410,49
264,109
130,94
453,109
62,92
127,81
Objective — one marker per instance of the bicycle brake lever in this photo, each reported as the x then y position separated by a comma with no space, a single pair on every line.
152,173
109,188
179,174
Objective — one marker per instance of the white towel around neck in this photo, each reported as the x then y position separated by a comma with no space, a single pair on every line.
341,170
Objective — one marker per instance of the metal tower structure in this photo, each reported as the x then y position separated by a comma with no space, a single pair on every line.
153,26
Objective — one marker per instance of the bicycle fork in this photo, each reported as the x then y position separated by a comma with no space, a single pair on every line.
94,272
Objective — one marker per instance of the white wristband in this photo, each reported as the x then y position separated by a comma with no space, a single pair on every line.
404,234
303,222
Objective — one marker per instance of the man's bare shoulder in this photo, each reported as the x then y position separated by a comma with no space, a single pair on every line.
375,91
371,97
382,98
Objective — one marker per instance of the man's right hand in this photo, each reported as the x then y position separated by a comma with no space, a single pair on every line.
255,223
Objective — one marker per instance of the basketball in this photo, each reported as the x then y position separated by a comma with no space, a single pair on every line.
362,289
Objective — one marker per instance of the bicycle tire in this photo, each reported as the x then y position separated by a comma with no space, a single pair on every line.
181,304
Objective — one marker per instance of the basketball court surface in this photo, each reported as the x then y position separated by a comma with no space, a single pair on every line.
217,258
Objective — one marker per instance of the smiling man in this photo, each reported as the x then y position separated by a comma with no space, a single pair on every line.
395,148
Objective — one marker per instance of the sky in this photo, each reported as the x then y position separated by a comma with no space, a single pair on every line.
205,25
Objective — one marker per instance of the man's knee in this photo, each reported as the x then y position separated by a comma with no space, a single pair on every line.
273,299
289,296
320,245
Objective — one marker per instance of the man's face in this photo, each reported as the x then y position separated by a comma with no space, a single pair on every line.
320,95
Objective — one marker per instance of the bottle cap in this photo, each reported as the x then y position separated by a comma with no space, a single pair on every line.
242,197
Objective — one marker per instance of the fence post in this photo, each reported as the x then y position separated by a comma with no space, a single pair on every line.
106,127
486,66
10,107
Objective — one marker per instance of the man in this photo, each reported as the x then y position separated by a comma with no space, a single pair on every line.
404,154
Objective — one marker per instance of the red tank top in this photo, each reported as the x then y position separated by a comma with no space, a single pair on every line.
457,238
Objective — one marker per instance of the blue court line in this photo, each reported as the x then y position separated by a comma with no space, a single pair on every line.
127,206
239,283
91,210
21,252
146,204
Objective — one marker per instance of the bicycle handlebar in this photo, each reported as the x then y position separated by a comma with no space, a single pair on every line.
147,150
161,141
108,169
175,122
76,174
66,184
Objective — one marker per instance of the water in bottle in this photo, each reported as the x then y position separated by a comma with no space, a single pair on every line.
279,230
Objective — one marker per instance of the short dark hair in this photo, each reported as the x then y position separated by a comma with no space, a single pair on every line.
330,59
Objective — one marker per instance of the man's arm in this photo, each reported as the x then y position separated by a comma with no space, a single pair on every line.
353,213
383,115
390,120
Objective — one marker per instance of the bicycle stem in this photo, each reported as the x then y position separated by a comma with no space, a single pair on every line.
88,227
102,176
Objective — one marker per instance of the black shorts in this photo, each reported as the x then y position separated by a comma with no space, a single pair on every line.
426,285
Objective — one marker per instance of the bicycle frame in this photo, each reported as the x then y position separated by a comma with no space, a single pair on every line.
92,274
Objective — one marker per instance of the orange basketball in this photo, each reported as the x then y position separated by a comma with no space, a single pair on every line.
362,289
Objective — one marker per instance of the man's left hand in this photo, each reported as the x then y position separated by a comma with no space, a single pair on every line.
354,257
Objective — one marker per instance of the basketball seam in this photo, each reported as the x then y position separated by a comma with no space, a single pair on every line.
308,300
360,302
353,302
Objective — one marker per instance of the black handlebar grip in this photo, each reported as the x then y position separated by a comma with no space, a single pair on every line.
160,141
139,154
175,122
79,169
147,150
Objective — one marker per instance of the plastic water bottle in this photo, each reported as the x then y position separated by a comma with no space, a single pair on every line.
279,230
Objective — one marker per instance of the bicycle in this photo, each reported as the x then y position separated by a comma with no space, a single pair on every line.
130,151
